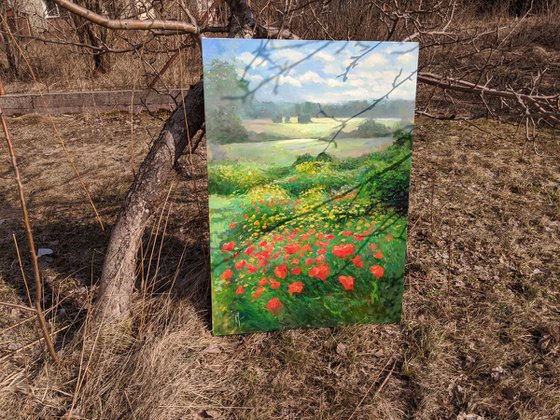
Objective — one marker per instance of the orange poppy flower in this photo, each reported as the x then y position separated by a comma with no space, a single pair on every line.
274,305
346,233
281,271
292,248
226,275
240,290
250,250
295,261
296,270
306,248
295,287
320,271
228,246
378,254
274,284
377,271
251,268
347,282
372,246
232,225
263,244
240,264
343,250
257,293
358,262
320,258
321,251
262,282
309,261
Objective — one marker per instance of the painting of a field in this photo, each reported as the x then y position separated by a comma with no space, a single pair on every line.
309,167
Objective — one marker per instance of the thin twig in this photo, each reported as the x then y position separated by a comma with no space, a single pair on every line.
29,233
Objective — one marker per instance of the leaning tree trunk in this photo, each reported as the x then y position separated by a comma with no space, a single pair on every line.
118,277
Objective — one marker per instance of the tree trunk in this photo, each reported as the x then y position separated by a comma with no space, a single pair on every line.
118,277
96,36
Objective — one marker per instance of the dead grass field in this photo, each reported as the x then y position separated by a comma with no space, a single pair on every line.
480,334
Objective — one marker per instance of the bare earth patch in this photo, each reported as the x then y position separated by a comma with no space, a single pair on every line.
481,327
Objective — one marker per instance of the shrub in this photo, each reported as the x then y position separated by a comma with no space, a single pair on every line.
371,128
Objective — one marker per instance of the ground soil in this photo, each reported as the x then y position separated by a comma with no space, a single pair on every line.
480,333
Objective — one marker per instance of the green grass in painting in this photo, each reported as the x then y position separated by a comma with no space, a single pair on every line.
317,128
305,245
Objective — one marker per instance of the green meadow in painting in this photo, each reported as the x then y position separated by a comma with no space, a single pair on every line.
309,147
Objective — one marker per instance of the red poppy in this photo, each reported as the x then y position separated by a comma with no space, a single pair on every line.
281,271
226,275
296,270
295,287
377,271
240,264
321,251
343,250
378,254
250,250
228,246
359,237
292,179
322,243
257,293
358,262
372,246
232,225
245,216
320,258
347,282
330,236
306,248
251,268
292,248
274,284
309,261
320,271
305,236
263,244
346,233
295,261
274,305
389,237
279,238
240,290
262,262
262,282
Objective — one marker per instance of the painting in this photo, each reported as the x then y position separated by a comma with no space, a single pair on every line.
309,153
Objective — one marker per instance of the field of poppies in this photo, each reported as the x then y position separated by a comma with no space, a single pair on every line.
320,242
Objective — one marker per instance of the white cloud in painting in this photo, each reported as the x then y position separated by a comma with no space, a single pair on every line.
374,60
249,59
287,80
408,58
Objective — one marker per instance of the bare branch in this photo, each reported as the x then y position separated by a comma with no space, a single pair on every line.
129,24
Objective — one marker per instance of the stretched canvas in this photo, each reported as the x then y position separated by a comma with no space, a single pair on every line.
309,150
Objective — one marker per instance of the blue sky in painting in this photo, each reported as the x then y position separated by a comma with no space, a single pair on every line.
293,71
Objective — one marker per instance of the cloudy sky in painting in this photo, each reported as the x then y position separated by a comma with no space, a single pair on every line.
317,68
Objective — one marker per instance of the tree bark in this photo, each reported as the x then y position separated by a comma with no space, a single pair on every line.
118,277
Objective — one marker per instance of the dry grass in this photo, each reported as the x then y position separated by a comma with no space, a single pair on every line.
480,333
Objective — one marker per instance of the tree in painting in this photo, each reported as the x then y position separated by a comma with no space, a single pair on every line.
309,167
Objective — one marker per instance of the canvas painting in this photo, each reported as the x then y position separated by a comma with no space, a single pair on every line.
309,153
